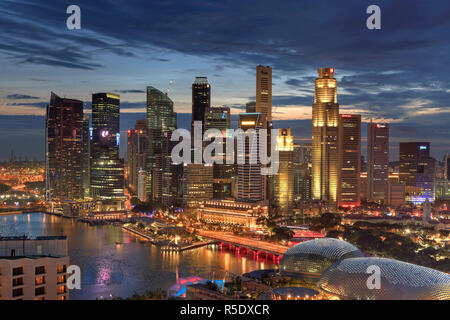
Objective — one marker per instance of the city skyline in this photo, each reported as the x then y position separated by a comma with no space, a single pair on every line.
389,86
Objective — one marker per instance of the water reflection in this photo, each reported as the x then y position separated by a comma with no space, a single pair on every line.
131,266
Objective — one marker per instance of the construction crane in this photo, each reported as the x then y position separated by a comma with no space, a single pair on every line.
168,88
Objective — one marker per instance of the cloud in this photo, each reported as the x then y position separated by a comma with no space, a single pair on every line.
17,96
129,91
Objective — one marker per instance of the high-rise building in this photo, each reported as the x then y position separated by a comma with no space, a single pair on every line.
86,162
325,120
141,184
136,152
168,177
250,107
219,118
283,181
197,183
417,171
64,149
201,98
160,119
377,161
349,160
302,171
447,167
264,91
252,186
107,168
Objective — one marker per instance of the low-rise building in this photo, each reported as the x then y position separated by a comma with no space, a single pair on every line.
33,269
233,213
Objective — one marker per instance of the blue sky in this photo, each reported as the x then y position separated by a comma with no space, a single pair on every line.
399,73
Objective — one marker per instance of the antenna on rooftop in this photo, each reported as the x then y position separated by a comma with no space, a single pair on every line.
168,88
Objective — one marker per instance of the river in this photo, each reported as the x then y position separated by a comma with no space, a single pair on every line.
114,269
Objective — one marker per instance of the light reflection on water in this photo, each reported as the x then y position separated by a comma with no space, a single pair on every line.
132,267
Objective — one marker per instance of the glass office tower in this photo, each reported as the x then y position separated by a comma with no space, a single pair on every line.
107,169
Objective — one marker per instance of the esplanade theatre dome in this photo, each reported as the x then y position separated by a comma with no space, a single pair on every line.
307,260
399,280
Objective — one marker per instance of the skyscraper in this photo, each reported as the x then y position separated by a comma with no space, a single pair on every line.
283,181
197,183
64,149
219,118
86,162
107,168
447,167
136,152
264,91
417,171
349,160
377,161
302,171
325,119
201,98
250,107
252,186
160,119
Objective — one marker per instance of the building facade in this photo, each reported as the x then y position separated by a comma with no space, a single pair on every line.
325,120
33,269
107,168
219,118
160,120
231,213
417,171
136,152
264,91
349,160
283,181
377,161
64,149
252,185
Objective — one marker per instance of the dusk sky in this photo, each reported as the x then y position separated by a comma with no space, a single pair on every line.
399,74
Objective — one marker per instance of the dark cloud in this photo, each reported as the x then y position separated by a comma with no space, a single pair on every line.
130,91
18,96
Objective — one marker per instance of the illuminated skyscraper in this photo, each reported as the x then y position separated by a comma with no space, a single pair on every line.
197,183
417,171
86,162
201,98
136,152
219,118
64,150
349,160
283,182
302,172
447,167
264,91
325,119
252,186
107,169
160,119
377,161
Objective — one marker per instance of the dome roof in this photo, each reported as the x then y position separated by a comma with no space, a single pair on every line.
398,280
309,259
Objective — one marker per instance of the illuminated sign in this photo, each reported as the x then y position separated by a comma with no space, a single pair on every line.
104,133
118,139
248,123
422,147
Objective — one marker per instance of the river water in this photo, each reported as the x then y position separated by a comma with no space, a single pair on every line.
114,269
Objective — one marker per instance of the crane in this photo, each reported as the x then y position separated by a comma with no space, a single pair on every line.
168,88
